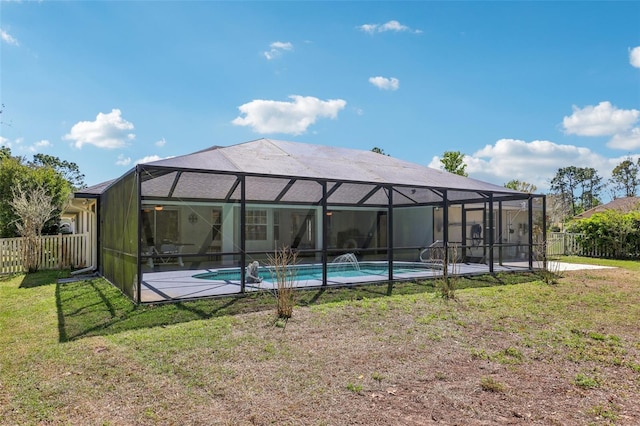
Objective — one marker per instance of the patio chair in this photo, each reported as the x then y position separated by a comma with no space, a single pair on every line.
169,253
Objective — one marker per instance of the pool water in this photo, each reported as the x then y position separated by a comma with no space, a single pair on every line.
314,272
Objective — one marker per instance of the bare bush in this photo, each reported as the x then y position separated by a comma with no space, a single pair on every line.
34,207
284,275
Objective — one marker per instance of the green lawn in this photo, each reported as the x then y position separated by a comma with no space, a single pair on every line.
81,353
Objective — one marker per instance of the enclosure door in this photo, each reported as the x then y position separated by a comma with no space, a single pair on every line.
474,235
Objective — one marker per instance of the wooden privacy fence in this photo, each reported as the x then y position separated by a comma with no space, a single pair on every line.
56,252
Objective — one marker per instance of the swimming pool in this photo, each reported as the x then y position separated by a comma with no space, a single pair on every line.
313,272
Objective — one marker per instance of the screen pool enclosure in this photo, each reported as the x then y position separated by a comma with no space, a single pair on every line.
189,226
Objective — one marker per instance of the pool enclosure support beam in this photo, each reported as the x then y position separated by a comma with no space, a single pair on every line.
445,234
284,191
174,184
243,231
491,233
390,233
232,190
369,195
407,197
500,237
530,217
544,233
463,233
335,187
325,238
138,282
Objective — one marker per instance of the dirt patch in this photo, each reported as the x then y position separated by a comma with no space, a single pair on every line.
530,353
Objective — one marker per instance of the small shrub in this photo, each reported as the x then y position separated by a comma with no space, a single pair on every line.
513,353
355,388
285,278
489,384
609,412
597,336
480,354
585,381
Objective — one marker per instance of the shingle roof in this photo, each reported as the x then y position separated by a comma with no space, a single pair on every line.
268,156
623,205
276,171
93,191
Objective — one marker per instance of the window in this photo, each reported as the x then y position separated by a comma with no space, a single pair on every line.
256,225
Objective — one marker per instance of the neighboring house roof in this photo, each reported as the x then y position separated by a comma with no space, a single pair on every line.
623,205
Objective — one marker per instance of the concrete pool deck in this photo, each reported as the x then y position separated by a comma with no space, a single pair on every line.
181,284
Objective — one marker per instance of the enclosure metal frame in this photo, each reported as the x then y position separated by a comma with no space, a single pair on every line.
144,172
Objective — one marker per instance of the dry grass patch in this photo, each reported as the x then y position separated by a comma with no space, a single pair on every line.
506,354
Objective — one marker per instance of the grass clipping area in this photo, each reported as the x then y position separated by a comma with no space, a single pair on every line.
506,350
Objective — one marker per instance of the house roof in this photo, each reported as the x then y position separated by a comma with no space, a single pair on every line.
93,191
275,157
284,171
623,205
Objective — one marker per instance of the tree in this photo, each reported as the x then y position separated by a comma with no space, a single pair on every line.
625,178
379,151
522,186
591,185
13,172
579,187
70,171
5,152
453,162
33,208
564,184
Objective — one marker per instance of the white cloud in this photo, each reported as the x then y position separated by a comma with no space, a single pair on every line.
151,158
7,38
265,116
40,145
601,120
535,162
628,141
384,83
107,131
161,142
634,57
393,25
19,145
123,161
276,49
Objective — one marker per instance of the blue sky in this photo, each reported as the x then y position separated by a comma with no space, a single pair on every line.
522,88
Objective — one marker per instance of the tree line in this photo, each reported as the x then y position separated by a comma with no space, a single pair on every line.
573,189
